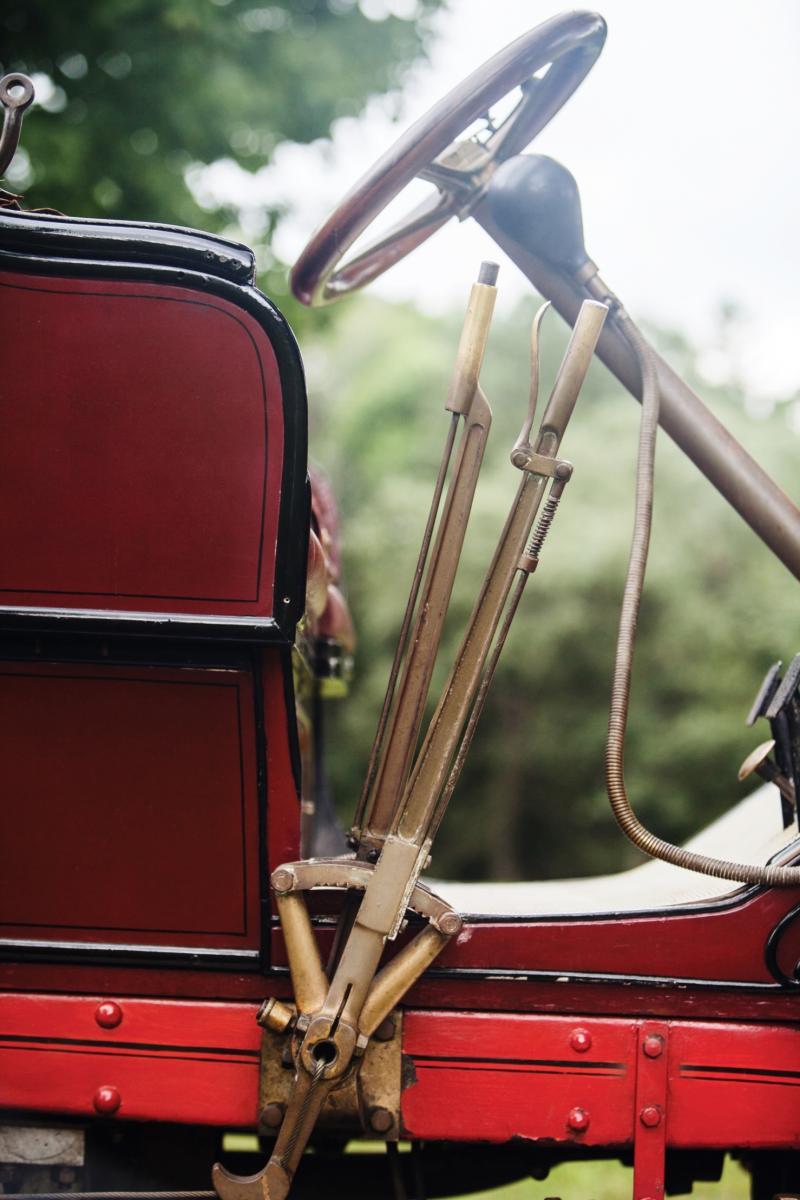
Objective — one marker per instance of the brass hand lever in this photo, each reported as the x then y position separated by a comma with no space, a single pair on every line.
336,1019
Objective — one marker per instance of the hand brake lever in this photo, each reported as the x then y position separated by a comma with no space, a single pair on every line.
333,1030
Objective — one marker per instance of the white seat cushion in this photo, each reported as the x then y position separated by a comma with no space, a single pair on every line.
750,832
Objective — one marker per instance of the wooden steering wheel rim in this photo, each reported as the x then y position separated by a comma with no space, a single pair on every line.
569,43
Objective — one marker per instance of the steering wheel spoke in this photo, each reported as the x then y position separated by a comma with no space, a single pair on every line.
415,228
547,63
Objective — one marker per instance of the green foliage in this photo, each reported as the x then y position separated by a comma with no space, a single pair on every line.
718,609
145,89
140,91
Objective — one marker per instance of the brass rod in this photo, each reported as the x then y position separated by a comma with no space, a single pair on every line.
412,691
402,641
391,984
472,342
308,978
477,707
749,490
398,732
444,733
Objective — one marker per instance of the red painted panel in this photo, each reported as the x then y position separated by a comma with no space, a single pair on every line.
217,1091
133,792
721,942
283,809
734,1085
166,1060
140,461
491,1077
169,1024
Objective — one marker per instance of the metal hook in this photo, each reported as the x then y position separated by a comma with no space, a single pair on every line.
14,106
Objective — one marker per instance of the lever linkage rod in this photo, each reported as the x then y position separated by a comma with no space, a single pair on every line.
336,1018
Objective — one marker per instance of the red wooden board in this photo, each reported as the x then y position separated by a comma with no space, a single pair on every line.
141,448
163,1061
128,805
476,1076
493,1076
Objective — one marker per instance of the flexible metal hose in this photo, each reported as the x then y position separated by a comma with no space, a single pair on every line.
629,823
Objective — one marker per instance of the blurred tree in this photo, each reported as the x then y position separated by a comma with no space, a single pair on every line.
717,610
136,92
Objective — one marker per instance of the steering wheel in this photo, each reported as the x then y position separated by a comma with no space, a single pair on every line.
547,64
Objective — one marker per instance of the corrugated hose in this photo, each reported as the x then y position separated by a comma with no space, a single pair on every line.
629,823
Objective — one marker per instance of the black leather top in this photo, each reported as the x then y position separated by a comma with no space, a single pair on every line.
125,241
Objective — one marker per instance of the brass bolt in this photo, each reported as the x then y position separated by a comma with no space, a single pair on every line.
380,1120
450,923
282,880
272,1115
275,1015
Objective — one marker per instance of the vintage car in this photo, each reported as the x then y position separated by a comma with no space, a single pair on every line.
170,620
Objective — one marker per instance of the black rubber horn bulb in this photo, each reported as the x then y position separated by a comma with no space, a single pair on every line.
536,201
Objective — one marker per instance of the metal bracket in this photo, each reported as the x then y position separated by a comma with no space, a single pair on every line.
526,459
367,1101
650,1111
778,701
349,872
16,95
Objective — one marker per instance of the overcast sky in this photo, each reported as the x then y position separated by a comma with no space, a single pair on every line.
685,140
